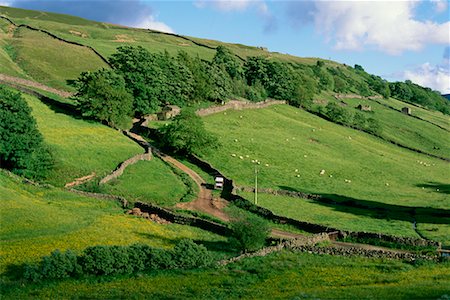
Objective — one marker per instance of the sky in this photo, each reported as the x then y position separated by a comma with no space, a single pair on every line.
396,40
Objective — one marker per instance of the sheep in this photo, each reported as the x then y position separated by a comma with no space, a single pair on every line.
234,155
322,172
241,157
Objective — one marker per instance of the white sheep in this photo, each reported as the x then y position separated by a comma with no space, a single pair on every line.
322,172
234,155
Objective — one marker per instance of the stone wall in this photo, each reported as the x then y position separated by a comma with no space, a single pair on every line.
237,105
289,244
122,166
184,220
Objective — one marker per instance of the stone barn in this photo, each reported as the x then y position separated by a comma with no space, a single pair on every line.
406,110
169,111
364,107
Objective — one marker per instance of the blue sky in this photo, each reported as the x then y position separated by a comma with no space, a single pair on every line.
397,40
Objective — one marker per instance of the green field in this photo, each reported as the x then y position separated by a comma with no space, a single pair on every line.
283,275
406,130
148,181
297,145
435,117
79,147
35,221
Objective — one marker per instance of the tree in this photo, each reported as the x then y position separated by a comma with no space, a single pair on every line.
224,57
220,84
249,232
102,95
187,134
338,114
22,148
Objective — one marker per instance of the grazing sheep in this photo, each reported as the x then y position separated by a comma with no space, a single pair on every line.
298,175
234,155
241,157
305,156
235,140
296,170
267,165
322,172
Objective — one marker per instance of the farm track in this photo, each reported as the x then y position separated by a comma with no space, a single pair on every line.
6,79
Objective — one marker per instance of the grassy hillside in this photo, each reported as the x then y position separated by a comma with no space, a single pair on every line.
284,275
79,147
293,147
148,181
35,221
406,130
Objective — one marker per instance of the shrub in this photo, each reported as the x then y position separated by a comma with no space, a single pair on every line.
57,265
249,232
189,255
98,260
338,114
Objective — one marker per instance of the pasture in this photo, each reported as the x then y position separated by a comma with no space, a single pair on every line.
278,276
79,147
35,221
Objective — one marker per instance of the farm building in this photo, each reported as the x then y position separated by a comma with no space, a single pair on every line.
169,111
406,110
364,107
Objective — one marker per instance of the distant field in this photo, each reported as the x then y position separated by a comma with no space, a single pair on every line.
283,275
35,221
148,181
435,117
79,147
289,139
406,130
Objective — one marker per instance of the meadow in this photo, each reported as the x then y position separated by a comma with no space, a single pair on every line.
277,276
35,221
148,181
79,147
293,147
406,130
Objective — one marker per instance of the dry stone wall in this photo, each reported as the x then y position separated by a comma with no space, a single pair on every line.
122,166
238,105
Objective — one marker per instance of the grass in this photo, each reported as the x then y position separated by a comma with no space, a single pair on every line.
283,275
35,221
289,139
407,130
79,147
435,117
345,218
297,145
50,61
148,181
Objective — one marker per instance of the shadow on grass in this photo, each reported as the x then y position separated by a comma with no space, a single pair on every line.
379,210
436,187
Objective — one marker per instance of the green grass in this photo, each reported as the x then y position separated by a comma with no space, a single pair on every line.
340,217
283,275
435,117
148,181
50,61
406,130
35,221
281,136
79,147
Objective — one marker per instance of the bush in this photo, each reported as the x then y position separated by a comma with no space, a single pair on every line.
249,232
98,260
338,114
57,265
189,255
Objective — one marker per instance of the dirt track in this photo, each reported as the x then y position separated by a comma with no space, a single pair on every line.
33,84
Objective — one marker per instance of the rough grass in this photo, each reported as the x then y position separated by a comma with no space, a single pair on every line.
148,181
283,275
435,117
79,147
340,217
281,136
35,221
50,61
406,130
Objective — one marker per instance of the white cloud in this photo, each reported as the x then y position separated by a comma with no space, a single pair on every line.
436,77
150,22
387,26
5,3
